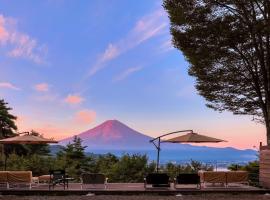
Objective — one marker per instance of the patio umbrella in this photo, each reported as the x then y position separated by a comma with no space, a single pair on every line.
189,137
25,139
193,138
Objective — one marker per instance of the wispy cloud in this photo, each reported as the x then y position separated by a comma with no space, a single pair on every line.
73,99
20,44
145,28
85,116
42,87
123,75
8,85
166,46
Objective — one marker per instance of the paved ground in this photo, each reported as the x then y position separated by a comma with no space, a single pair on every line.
143,197
140,187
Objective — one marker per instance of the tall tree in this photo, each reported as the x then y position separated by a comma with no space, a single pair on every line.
73,158
227,43
7,121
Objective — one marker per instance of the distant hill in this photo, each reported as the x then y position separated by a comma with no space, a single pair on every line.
115,137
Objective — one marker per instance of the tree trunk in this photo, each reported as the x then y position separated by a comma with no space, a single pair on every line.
267,123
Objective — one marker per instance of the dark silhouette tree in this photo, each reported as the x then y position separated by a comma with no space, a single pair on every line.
7,121
73,158
227,43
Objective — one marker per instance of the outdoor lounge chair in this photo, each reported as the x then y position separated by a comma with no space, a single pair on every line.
57,177
4,179
94,179
237,177
157,180
19,178
213,177
187,179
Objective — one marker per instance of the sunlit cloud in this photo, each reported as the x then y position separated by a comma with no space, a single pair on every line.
8,85
85,116
41,87
20,44
145,28
123,75
74,99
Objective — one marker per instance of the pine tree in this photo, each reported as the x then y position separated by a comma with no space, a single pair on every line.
7,121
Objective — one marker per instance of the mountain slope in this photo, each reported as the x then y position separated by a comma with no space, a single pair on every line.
112,134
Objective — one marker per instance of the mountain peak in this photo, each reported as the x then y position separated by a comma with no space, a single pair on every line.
112,133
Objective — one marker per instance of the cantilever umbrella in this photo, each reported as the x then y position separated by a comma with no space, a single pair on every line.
190,137
193,138
25,139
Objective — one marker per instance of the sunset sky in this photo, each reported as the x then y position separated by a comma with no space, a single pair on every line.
67,66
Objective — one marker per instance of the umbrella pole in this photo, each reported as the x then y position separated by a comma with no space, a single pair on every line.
158,148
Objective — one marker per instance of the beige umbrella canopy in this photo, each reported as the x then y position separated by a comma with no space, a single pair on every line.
193,138
190,137
27,139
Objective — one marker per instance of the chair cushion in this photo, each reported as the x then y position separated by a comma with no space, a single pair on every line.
3,176
19,176
157,179
188,178
93,178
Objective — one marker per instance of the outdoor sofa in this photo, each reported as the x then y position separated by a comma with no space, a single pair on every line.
187,179
223,177
93,179
157,180
13,178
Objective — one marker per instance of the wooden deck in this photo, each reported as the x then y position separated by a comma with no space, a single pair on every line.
128,189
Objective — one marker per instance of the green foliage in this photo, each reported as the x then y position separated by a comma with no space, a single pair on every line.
130,168
16,162
104,164
227,45
193,167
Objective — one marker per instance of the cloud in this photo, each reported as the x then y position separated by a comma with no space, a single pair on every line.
127,73
85,116
73,99
41,87
20,45
166,46
110,53
145,28
8,85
